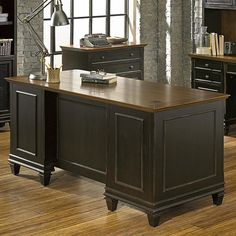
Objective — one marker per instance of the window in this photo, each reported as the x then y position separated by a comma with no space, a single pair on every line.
86,17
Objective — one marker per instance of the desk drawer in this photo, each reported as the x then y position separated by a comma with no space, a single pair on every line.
115,67
209,86
215,65
208,75
114,55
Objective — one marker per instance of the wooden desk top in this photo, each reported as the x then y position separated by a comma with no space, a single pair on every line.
231,59
131,93
113,47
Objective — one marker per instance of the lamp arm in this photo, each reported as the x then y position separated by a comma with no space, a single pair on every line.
37,39
37,10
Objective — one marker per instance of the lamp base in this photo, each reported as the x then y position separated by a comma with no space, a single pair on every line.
37,76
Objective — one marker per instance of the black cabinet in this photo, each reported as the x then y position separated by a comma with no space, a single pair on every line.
231,89
124,60
5,70
7,59
217,75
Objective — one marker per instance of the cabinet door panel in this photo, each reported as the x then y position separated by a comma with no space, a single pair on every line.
26,123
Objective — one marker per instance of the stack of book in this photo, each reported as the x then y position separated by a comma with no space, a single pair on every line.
3,17
98,78
217,44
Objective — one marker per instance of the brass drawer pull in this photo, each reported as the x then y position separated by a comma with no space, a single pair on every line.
207,76
102,57
131,67
131,54
206,65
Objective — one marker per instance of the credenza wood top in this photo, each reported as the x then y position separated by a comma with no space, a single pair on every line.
230,59
131,93
112,47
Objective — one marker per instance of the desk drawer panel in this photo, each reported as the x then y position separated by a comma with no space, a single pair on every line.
216,65
209,75
115,55
131,74
118,67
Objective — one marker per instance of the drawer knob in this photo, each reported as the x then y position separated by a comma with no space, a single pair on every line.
102,57
206,64
131,54
131,67
207,76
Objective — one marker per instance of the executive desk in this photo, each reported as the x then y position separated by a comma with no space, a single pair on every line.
154,146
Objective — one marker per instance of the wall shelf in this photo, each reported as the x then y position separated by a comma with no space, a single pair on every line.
6,23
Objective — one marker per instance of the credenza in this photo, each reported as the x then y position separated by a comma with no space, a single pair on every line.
217,74
125,60
153,145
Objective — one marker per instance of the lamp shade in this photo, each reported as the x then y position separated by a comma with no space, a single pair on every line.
59,16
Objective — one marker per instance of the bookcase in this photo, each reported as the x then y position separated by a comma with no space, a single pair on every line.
7,59
218,73
219,17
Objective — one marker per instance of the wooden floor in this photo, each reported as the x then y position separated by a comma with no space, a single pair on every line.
72,205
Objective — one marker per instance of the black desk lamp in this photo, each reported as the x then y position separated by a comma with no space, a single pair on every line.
58,18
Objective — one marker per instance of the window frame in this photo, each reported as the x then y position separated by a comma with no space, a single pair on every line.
72,18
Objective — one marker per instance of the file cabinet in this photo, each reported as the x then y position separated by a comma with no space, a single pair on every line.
125,60
217,74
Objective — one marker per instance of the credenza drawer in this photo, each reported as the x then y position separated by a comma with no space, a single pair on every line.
121,66
115,55
208,75
208,86
206,64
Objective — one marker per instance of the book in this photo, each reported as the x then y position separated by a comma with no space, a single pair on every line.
221,45
98,81
217,44
98,78
213,44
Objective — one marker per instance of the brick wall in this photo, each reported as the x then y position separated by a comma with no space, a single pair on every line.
26,48
167,26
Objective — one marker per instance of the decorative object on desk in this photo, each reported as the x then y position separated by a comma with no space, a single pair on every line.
98,77
230,48
5,47
203,41
58,18
116,40
53,74
0,9
94,41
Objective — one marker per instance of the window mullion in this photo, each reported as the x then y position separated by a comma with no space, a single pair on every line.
90,16
108,18
72,22
126,26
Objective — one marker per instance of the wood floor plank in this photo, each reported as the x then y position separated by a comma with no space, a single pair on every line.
73,205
